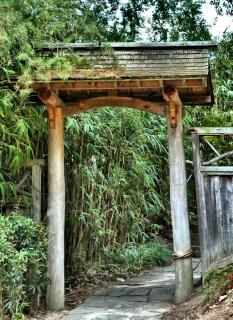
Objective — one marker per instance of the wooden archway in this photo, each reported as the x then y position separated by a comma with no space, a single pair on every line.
173,109
154,77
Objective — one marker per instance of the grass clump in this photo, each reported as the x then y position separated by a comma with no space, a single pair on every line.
217,282
133,258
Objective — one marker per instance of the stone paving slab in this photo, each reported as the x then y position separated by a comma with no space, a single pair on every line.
146,297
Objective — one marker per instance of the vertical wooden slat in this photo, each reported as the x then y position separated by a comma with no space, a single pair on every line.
219,214
201,202
56,213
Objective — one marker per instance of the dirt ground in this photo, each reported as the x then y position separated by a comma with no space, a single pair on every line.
194,309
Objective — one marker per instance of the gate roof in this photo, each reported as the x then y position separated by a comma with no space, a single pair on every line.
137,70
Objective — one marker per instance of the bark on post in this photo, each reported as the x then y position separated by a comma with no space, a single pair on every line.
56,214
178,197
56,202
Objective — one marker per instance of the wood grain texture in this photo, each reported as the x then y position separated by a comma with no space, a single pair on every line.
201,203
186,45
179,206
137,61
219,213
113,101
56,214
214,190
212,131
224,170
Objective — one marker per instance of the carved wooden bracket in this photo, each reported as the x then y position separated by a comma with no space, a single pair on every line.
172,109
171,96
52,101
51,117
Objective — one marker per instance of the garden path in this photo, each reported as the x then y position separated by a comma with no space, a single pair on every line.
146,297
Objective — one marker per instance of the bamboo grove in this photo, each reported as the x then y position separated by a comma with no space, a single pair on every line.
117,187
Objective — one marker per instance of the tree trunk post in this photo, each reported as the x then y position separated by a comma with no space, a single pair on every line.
178,197
56,211
55,294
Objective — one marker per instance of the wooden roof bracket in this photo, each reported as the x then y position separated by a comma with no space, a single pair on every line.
51,117
171,96
51,101
172,109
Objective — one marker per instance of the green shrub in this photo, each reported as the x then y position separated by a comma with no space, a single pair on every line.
22,263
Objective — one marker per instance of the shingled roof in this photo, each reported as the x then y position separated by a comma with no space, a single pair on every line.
139,60
137,70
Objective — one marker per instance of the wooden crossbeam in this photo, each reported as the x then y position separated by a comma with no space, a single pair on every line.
212,131
113,101
122,84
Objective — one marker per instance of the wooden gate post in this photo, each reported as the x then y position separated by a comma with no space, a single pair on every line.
178,197
56,200
56,213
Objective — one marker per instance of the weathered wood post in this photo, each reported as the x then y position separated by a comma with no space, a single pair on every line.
56,200
178,196
36,192
36,165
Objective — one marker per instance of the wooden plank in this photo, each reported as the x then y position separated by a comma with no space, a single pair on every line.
32,162
220,214
198,99
222,262
178,199
113,84
224,170
121,73
209,205
205,131
56,214
113,101
228,206
97,85
201,203
133,45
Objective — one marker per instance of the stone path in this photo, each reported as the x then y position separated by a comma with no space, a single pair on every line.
145,297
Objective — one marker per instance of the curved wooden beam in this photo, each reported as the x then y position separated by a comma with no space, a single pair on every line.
71,109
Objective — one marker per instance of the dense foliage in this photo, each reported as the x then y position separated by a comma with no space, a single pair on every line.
22,263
